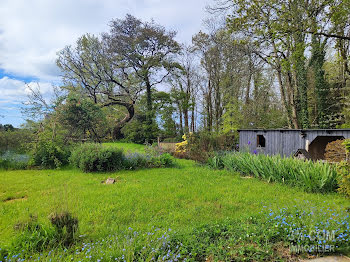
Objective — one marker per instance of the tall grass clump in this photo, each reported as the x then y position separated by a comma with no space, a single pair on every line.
315,177
35,238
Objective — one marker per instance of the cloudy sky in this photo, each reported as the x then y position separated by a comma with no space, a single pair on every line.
32,31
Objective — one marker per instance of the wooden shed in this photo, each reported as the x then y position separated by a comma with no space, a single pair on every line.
287,142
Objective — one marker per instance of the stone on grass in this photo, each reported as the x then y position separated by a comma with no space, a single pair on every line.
110,181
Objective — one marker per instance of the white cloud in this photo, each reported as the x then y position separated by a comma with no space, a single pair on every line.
31,32
13,90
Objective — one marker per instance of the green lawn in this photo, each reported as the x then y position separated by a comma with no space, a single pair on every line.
178,198
127,147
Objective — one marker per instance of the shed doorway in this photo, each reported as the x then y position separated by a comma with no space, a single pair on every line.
261,141
317,147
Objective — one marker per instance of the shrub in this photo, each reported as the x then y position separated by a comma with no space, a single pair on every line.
344,178
136,160
310,176
343,169
50,154
5,164
96,157
201,146
164,160
153,150
182,147
91,157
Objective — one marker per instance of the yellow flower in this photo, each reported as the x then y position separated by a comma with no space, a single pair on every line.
181,147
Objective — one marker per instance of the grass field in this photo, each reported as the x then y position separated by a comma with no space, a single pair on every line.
127,147
177,198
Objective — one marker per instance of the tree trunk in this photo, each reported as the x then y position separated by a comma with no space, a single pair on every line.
149,113
192,117
247,94
283,96
117,129
209,108
293,100
181,121
149,96
282,89
217,106
186,120
186,103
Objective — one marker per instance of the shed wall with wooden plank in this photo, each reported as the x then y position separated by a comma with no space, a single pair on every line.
286,142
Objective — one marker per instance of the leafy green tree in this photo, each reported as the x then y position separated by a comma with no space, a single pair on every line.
322,87
82,117
165,111
51,148
232,118
164,126
135,130
282,30
16,140
8,127
95,73
149,50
